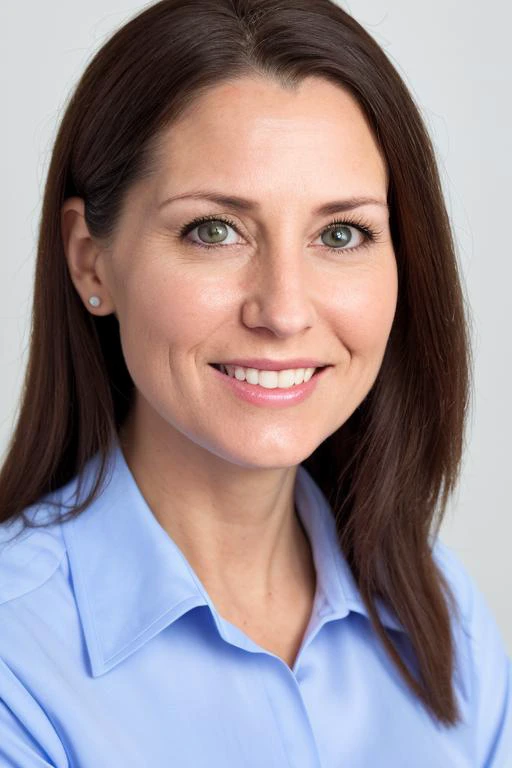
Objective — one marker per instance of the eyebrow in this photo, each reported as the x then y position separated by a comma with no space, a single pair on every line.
242,204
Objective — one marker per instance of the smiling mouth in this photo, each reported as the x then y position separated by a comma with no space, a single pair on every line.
313,372
222,368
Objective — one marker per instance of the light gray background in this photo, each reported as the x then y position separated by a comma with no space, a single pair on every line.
455,58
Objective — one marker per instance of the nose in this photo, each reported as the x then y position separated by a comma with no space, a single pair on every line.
279,297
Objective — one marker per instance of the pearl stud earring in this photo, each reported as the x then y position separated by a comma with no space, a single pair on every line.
95,301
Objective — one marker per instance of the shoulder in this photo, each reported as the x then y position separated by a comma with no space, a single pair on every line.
29,556
484,666
28,560
477,619
33,547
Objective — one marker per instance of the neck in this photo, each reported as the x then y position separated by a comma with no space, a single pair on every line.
237,526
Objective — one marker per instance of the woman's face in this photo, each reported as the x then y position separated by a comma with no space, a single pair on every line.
279,283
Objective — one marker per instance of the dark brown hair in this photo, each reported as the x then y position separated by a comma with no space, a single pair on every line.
389,470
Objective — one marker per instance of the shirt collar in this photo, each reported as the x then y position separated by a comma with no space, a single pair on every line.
131,580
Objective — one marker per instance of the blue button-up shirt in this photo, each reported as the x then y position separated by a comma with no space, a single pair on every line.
113,655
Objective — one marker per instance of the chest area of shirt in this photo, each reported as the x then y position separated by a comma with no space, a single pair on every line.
201,703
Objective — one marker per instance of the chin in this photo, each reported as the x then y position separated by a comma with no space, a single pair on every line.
268,458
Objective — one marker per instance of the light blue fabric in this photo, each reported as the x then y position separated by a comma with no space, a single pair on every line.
112,655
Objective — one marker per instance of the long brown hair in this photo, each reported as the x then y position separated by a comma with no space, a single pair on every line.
389,470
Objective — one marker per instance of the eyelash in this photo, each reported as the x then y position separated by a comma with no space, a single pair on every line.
371,234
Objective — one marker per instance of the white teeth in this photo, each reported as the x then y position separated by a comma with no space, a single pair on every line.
269,379
251,375
285,379
299,375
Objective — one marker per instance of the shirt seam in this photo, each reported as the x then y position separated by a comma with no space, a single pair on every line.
39,584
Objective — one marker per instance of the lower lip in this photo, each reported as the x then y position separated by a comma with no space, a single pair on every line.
258,395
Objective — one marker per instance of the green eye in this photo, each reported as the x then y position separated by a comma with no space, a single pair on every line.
340,235
213,229
209,228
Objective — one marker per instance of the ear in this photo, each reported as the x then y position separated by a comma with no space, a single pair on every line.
84,257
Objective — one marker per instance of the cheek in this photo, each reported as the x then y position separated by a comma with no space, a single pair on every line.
364,307
173,312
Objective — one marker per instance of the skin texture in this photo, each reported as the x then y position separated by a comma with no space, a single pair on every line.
217,472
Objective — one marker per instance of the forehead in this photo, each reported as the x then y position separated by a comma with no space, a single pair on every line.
253,131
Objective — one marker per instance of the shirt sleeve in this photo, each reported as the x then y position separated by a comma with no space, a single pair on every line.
27,738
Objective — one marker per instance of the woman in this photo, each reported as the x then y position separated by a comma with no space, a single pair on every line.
243,417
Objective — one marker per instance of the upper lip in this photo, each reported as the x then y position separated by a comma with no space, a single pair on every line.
264,364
